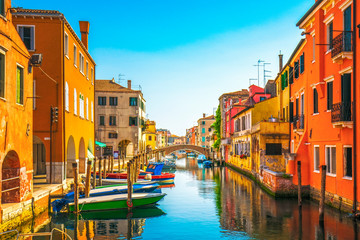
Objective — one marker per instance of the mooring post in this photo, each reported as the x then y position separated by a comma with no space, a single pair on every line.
119,163
109,164
129,182
100,171
299,183
88,178
94,173
322,194
76,187
105,167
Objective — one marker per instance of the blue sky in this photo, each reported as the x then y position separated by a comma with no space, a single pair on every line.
186,53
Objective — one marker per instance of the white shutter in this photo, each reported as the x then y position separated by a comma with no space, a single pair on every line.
75,102
87,109
66,96
92,111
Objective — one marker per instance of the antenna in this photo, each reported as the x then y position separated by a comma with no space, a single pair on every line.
266,71
120,79
258,66
251,79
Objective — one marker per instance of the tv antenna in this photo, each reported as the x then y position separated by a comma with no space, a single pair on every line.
121,79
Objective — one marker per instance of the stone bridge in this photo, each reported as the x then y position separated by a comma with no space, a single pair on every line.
170,149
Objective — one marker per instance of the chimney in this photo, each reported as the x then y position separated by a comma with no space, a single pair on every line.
84,30
129,84
280,62
204,115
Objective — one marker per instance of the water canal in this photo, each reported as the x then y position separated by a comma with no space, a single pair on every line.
209,204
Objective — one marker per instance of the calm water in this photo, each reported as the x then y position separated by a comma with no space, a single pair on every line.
210,204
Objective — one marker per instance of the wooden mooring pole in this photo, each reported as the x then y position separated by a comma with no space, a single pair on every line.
76,187
129,182
322,194
88,178
100,171
299,183
105,166
94,173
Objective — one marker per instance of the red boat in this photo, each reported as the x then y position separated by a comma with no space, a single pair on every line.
153,169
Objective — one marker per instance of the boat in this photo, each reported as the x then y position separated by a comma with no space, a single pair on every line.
102,191
118,182
118,201
154,169
201,158
207,163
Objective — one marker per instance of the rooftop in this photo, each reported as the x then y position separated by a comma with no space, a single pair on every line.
112,86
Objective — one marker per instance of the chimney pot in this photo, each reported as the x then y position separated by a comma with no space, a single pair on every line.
280,62
129,84
204,115
84,30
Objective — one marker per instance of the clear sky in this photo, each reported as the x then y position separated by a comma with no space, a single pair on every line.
183,53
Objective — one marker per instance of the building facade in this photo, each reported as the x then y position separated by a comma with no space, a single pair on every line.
120,118
204,130
64,90
16,113
150,135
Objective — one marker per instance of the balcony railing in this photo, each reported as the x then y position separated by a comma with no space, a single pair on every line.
341,43
341,112
298,122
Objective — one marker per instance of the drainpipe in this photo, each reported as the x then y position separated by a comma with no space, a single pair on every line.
354,107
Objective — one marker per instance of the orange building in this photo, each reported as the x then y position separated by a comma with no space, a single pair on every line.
64,87
321,101
16,102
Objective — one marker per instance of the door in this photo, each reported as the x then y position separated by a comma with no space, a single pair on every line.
39,159
345,109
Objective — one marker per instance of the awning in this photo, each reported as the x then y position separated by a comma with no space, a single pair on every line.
90,155
100,144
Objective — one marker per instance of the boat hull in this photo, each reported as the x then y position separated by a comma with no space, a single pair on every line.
93,204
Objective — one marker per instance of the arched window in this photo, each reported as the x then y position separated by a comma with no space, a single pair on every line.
66,96
75,102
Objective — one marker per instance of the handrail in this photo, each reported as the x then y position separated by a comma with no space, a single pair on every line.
66,235
10,231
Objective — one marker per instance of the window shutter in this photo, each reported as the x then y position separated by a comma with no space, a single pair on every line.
291,112
75,102
291,75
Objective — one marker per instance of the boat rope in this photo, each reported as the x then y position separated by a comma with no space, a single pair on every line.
129,204
82,205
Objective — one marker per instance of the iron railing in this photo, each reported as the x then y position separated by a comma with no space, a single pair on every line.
298,121
341,43
341,112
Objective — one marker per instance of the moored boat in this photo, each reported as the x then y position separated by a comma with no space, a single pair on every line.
118,201
201,158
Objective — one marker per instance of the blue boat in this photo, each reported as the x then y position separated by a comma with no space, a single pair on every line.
207,163
201,158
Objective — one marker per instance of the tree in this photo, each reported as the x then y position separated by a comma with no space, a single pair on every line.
217,128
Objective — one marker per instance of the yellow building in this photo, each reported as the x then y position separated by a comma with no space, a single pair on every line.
260,139
150,135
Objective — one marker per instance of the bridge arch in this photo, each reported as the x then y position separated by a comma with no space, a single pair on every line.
170,149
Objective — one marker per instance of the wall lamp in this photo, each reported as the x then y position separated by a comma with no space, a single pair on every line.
305,33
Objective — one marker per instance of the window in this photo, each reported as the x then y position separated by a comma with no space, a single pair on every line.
112,120
92,111
113,101
203,139
2,75
81,106
66,44
314,45
102,121
329,95
27,34
302,63
113,135
330,159
142,105
66,96
243,123
296,66
209,129
81,62
347,29
19,85
203,122
262,98
133,101
315,101
348,161
101,101
329,30
150,138
273,149
316,158
75,55
75,102
2,8
87,69
92,75
87,108
132,121
203,130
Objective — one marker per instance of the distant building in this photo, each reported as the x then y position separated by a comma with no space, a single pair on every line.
162,136
120,117
150,135
204,130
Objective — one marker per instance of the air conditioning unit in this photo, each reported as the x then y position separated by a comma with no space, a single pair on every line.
36,59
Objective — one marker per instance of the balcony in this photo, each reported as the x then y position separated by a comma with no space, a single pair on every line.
342,47
341,114
298,123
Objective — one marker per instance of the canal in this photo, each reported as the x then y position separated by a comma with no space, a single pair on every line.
207,203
